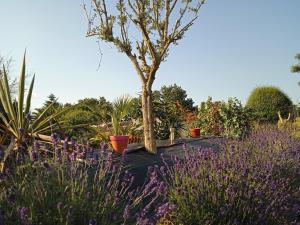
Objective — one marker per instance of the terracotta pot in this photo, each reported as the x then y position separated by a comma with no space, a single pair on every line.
119,142
195,132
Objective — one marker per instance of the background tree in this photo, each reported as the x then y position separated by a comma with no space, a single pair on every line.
174,94
266,102
165,109
296,68
159,24
55,105
99,107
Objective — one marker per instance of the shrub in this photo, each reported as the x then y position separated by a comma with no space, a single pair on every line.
251,182
73,119
82,186
236,119
210,120
266,102
167,115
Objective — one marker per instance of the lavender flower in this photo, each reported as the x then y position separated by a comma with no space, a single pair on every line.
126,212
92,222
23,214
165,209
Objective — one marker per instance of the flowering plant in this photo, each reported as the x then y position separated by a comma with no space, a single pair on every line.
254,181
76,184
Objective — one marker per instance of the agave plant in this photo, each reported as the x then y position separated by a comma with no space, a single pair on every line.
16,121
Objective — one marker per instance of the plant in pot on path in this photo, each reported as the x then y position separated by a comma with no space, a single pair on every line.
120,110
194,128
191,120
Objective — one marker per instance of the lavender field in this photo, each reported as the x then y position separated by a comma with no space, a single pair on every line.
253,181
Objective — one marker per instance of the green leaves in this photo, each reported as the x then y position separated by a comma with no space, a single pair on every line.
16,111
121,107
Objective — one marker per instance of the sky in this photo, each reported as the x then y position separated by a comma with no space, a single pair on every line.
235,46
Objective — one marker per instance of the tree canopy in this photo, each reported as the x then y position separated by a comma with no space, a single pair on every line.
296,68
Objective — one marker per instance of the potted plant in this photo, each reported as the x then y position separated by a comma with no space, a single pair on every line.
195,132
120,109
193,124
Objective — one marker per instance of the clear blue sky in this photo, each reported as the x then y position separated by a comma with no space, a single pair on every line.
235,46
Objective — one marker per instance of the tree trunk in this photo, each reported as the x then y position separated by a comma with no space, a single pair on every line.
148,119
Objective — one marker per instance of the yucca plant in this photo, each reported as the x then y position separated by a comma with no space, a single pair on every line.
16,121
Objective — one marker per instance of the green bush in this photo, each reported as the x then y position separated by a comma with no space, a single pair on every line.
210,120
266,101
229,118
78,117
236,119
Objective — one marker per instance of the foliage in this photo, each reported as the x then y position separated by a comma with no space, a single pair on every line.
247,182
135,111
169,104
120,109
174,94
160,23
55,106
16,117
266,102
210,120
78,121
229,118
236,119
167,115
99,107
84,186
86,114
296,68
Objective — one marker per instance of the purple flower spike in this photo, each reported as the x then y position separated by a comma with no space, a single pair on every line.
23,213
34,155
165,209
92,222
126,212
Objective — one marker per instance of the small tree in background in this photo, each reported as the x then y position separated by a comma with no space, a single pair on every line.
267,101
296,68
55,105
174,94
157,25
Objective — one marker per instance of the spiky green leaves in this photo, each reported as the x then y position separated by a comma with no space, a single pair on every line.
15,113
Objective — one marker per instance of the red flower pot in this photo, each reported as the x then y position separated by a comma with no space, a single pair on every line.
119,142
195,132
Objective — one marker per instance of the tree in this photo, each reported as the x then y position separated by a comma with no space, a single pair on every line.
55,106
174,94
101,108
265,103
296,68
158,26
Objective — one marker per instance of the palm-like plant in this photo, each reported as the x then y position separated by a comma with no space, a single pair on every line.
121,107
15,119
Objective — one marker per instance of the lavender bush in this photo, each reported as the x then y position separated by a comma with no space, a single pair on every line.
82,186
251,182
